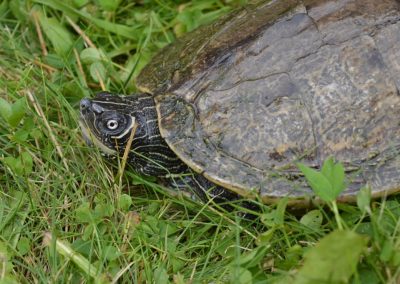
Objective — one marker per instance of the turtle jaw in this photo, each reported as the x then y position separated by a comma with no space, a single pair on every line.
92,140
85,132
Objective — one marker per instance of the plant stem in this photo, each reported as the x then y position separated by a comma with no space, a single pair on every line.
337,216
66,250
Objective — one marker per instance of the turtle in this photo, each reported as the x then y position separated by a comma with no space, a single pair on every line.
231,107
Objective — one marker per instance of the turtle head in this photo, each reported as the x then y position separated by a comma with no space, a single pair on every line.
107,122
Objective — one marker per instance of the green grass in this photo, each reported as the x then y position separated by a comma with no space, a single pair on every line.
66,216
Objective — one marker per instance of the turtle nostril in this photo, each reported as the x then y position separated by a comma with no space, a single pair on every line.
85,104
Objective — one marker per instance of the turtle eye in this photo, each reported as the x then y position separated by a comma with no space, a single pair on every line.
112,124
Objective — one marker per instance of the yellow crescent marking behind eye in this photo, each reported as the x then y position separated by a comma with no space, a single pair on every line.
133,123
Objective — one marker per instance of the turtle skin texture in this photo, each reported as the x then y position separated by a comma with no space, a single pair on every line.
243,100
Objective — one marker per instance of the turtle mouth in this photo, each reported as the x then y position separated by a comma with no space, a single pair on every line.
85,132
92,140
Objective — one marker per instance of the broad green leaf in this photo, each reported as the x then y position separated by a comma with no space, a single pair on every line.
265,237
81,246
179,279
98,71
337,179
333,260
12,213
91,54
13,164
111,253
54,60
24,245
395,261
367,276
251,258
88,232
103,210
3,8
26,162
312,219
364,199
275,217
36,133
223,244
177,261
20,136
80,3
387,251
21,165
280,211
6,266
160,275
268,219
5,109
167,228
109,5
18,110
124,202
18,9
83,213
318,182
327,168
334,172
59,36
292,257
242,276
365,228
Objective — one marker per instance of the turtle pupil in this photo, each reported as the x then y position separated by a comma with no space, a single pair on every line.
112,124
